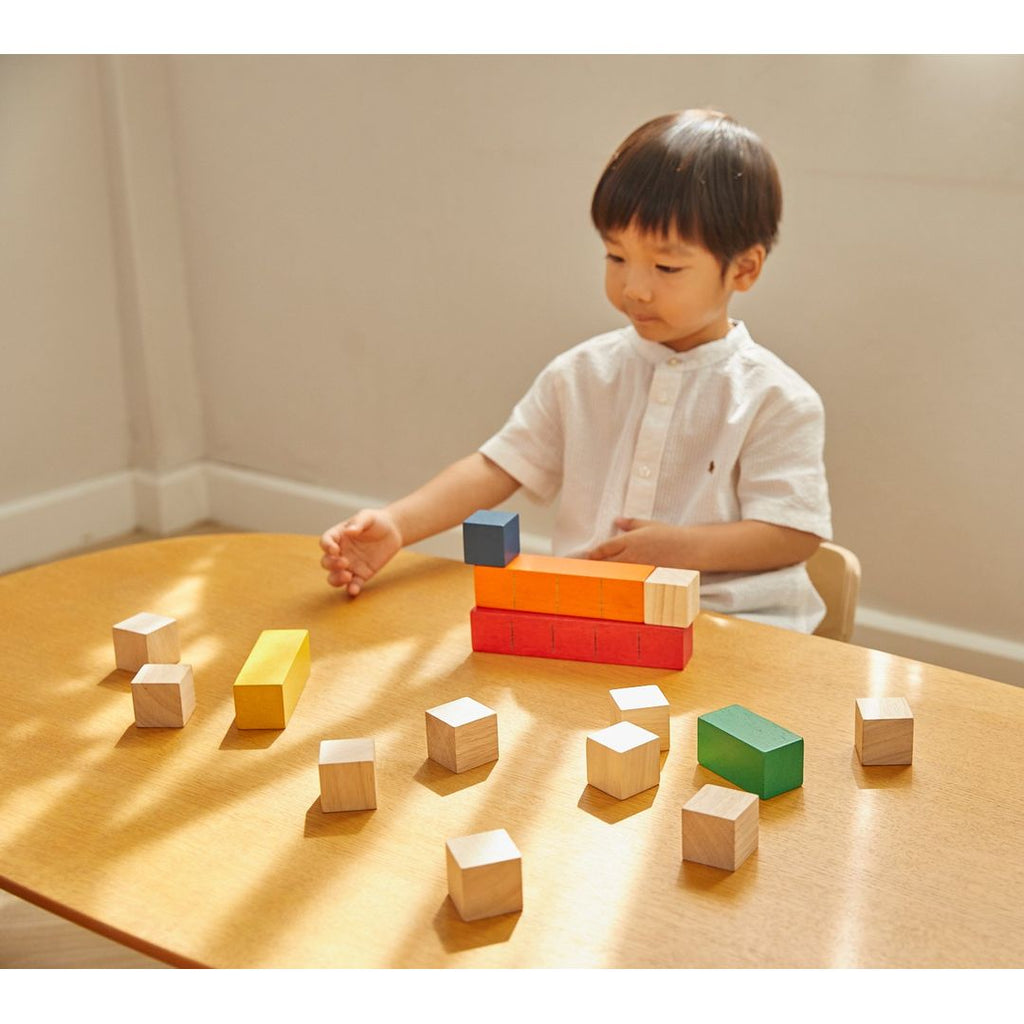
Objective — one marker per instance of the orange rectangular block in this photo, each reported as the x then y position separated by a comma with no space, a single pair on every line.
535,592
493,587
579,595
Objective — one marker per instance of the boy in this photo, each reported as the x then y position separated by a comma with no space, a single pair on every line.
676,441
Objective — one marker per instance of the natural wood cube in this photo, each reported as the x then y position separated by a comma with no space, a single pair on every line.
720,827
462,734
163,696
146,639
348,779
884,730
485,874
623,760
645,706
672,597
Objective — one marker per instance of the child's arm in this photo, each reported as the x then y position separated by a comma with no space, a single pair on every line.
746,546
356,549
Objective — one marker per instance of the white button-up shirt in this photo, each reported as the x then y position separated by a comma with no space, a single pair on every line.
727,431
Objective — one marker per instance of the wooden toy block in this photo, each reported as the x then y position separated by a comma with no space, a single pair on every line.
565,586
485,874
146,639
750,751
535,587
665,646
462,734
618,643
491,630
533,636
163,696
645,706
272,679
494,588
720,827
671,597
623,760
578,595
884,730
490,538
348,779
575,638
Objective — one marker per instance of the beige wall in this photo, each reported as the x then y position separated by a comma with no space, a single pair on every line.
62,397
380,252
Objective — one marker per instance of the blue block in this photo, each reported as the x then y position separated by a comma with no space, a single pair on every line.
490,538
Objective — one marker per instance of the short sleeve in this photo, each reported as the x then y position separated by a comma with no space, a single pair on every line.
531,444
782,465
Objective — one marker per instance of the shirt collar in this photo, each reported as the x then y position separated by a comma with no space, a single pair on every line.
703,355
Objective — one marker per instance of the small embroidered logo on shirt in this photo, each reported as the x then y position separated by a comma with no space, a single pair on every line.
711,466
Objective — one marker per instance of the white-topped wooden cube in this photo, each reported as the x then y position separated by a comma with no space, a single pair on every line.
671,597
146,639
645,706
462,734
623,760
720,826
348,780
163,696
485,874
884,730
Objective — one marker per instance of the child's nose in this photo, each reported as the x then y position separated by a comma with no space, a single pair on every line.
638,286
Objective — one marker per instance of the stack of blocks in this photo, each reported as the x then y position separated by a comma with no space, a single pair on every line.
540,606
163,691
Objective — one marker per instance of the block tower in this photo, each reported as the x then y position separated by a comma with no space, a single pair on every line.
575,608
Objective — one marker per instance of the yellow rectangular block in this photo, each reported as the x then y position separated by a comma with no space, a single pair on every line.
272,679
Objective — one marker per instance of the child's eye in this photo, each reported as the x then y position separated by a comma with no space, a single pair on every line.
611,258
667,270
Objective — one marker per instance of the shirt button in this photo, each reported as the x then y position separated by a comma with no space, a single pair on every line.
673,361
643,472
662,397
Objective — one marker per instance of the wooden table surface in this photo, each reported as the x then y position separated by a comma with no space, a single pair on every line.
207,846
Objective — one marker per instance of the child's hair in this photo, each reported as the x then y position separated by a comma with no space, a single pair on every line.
697,171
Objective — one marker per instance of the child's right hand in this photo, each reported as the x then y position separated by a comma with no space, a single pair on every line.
357,548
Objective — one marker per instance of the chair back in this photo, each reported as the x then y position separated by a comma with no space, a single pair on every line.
835,573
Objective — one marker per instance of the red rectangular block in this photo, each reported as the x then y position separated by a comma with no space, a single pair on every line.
491,630
618,643
533,635
666,646
574,638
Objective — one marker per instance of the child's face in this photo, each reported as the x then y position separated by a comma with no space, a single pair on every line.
673,291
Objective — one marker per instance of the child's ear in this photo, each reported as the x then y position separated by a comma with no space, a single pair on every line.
745,269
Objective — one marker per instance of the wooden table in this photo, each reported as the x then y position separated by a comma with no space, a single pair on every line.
207,846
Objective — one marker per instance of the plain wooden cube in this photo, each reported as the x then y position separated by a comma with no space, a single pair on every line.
146,639
462,734
884,730
348,780
163,696
720,827
623,760
672,597
645,706
485,874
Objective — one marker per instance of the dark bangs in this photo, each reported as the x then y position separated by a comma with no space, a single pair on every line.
698,172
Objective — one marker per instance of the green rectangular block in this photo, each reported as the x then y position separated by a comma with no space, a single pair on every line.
750,751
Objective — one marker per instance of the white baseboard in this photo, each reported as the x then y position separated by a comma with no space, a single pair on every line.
51,524
48,525
168,502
